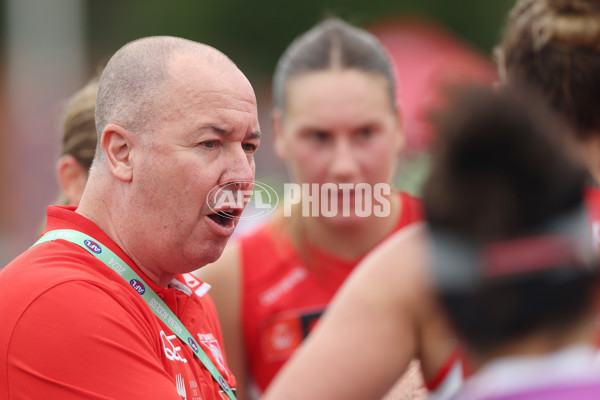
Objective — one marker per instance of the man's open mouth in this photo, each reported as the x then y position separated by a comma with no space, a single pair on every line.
225,217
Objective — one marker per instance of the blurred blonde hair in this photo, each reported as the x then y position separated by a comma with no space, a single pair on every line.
79,129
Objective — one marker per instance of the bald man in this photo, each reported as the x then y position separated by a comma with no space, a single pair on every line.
102,306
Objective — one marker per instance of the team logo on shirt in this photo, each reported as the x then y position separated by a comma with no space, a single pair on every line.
211,343
93,246
284,332
171,350
138,286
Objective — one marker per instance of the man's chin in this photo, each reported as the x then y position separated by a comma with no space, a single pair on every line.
214,252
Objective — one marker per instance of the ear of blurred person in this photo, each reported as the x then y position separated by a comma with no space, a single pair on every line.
71,178
79,140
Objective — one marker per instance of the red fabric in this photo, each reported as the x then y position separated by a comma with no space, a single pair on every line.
592,203
426,59
72,328
438,380
283,299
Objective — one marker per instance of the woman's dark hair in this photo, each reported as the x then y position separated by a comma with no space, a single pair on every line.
331,44
554,46
499,173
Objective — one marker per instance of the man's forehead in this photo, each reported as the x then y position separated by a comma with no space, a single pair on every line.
214,75
220,130
204,60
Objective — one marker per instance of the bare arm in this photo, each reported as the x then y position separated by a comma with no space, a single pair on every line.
225,278
368,336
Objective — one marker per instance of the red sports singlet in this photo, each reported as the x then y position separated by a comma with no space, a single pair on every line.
282,298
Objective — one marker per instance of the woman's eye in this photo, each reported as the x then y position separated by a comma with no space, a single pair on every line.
365,132
319,136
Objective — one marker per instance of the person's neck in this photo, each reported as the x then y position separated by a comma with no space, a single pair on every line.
352,243
104,213
541,343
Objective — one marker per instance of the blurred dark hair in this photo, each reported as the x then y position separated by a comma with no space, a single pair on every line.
331,44
500,172
554,46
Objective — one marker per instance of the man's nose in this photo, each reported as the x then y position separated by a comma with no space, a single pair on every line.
240,170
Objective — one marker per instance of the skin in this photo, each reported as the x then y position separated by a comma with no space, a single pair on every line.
384,315
150,194
587,151
71,178
339,127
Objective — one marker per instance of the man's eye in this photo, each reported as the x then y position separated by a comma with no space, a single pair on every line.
249,147
209,144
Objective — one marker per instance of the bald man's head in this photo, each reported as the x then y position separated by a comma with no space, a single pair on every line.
132,82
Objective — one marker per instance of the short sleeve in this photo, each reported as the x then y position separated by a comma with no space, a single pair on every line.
82,340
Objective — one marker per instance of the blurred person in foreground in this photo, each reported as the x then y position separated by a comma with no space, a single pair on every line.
98,307
510,250
553,46
336,122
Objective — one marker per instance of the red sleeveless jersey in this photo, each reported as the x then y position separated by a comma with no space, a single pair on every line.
283,298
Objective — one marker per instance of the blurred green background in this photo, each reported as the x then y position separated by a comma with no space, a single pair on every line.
50,48
254,33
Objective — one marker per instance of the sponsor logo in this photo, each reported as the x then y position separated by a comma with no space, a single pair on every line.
138,286
223,384
283,286
93,246
181,386
193,345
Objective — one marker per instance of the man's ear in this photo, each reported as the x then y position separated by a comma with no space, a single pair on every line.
117,144
279,143
71,177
